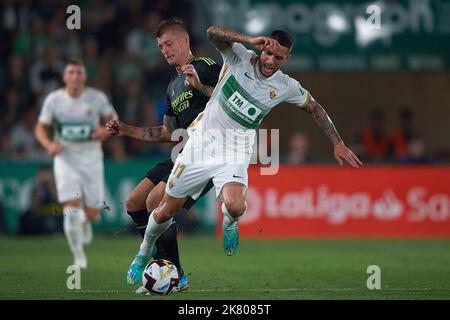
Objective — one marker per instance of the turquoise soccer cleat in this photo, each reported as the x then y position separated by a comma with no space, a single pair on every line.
230,239
134,274
184,283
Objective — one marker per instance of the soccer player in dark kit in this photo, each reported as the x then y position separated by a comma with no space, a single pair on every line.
187,95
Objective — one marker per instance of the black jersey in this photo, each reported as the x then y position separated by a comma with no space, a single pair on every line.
184,101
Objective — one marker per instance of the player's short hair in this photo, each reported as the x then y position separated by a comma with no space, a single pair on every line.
172,23
283,37
75,61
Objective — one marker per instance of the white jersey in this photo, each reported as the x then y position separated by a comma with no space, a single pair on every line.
243,97
74,119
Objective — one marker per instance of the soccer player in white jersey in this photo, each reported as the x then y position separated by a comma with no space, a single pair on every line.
249,87
77,113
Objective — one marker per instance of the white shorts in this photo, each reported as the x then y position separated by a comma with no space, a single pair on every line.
188,178
80,182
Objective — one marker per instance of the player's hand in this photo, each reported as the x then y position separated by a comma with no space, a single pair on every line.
342,152
117,128
192,76
100,133
54,148
262,43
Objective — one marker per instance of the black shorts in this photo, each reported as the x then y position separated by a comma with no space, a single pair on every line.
160,172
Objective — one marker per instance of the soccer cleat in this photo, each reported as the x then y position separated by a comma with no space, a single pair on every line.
80,260
230,239
184,283
134,274
142,290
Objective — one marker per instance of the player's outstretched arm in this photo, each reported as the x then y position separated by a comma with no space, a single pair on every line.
223,38
321,117
160,134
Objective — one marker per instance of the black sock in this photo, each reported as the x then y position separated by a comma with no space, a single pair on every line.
140,219
167,247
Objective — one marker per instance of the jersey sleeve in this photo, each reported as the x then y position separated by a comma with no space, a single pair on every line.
106,108
236,54
208,72
46,114
296,94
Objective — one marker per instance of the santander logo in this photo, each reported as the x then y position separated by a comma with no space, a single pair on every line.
336,208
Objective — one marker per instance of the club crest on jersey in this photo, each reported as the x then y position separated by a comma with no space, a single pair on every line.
186,83
171,184
89,111
273,93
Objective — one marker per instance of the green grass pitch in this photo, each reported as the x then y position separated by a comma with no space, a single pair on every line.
35,268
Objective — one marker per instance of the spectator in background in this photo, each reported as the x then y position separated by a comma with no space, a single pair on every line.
46,72
405,134
22,143
98,20
374,141
92,61
16,76
116,149
142,45
34,40
299,149
11,109
44,215
416,153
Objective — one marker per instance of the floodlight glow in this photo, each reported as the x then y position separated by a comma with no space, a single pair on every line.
337,22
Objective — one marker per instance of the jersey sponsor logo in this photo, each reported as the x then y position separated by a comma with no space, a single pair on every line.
181,103
240,105
245,107
75,132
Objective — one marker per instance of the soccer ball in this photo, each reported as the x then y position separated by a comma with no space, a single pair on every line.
160,277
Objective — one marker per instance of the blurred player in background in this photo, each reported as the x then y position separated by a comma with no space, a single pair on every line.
187,95
77,113
248,88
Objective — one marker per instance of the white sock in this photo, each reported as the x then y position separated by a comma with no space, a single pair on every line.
73,222
86,228
152,233
228,220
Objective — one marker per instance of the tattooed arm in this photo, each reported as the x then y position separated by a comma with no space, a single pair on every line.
158,134
223,38
162,133
316,111
321,117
